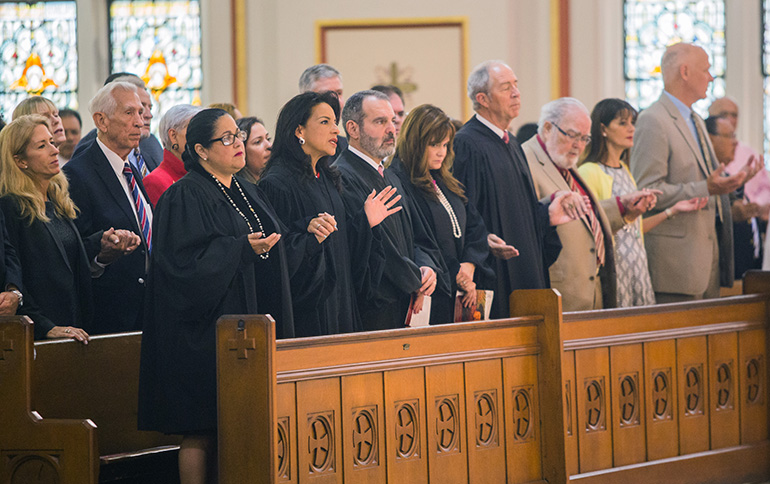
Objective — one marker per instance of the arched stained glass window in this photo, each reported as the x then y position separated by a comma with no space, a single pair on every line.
38,53
651,26
159,41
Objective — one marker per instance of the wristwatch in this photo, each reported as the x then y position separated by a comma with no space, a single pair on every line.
18,294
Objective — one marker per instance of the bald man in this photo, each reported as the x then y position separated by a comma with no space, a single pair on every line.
757,190
690,255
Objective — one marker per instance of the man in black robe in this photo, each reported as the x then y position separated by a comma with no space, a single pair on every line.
490,163
411,255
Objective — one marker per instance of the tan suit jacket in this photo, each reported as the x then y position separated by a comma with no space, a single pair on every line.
666,156
575,273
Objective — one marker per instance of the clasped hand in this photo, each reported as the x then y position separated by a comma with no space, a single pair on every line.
639,202
116,243
322,226
567,206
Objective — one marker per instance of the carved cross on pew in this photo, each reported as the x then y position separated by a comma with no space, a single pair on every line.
241,344
5,345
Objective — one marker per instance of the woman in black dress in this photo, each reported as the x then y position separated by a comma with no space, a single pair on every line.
301,184
39,214
423,162
218,248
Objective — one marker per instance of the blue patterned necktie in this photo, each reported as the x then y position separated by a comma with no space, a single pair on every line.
141,210
140,165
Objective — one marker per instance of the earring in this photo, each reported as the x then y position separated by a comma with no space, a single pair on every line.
175,147
205,159
301,140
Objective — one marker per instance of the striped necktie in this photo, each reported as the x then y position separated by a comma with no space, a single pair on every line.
140,165
141,210
592,219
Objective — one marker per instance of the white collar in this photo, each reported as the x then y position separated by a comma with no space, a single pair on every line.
116,162
499,132
366,158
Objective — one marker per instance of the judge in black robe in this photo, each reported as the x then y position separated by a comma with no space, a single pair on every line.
406,242
498,183
203,266
470,247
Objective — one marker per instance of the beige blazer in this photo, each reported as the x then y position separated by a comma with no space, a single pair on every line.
666,156
574,274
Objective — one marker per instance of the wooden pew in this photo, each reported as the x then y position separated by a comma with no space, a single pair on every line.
68,412
672,393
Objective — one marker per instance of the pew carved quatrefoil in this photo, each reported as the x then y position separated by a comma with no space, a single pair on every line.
407,429
486,418
365,451
447,424
320,429
724,386
754,378
693,390
595,407
523,414
661,395
628,402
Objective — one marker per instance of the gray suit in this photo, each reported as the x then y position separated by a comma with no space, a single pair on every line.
687,251
575,274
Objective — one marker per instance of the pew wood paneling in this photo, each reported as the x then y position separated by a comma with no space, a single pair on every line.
447,444
723,390
629,445
407,448
521,391
753,394
660,394
592,374
694,408
363,417
570,414
484,397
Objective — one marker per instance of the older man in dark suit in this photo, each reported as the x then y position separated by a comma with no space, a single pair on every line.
109,193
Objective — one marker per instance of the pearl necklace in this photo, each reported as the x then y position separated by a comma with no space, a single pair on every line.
456,231
251,209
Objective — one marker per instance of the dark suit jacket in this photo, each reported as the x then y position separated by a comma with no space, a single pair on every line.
152,151
56,293
119,292
10,269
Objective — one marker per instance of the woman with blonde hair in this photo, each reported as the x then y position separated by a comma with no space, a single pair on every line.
39,214
46,107
423,162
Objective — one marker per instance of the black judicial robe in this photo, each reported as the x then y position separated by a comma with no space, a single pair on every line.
406,243
498,183
471,247
352,256
56,273
10,268
202,267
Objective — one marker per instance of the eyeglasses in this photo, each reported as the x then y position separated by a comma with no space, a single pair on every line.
573,136
229,138
728,136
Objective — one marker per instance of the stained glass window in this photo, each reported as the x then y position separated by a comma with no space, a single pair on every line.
38,53
651,26
160,41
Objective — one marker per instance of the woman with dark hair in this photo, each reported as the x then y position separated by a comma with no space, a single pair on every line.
258,146
423,162
218,248
605,171
39,216
300,183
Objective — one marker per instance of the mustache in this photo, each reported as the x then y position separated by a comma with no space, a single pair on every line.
389,137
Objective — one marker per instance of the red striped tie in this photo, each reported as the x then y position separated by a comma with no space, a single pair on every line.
141,210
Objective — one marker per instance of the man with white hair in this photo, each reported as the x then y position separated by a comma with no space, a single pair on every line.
584,273
325,78
691,254
108,192
492,167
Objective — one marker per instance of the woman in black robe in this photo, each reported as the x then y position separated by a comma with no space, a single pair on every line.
218,248
301,184
423,162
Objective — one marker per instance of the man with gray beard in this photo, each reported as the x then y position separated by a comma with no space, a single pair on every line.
411,255
584,272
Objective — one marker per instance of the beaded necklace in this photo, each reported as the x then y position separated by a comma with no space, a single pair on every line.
456,231
251,209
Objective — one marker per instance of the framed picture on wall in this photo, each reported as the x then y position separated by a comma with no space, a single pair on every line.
427,58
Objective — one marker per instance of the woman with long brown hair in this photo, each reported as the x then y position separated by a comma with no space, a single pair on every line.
423,162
